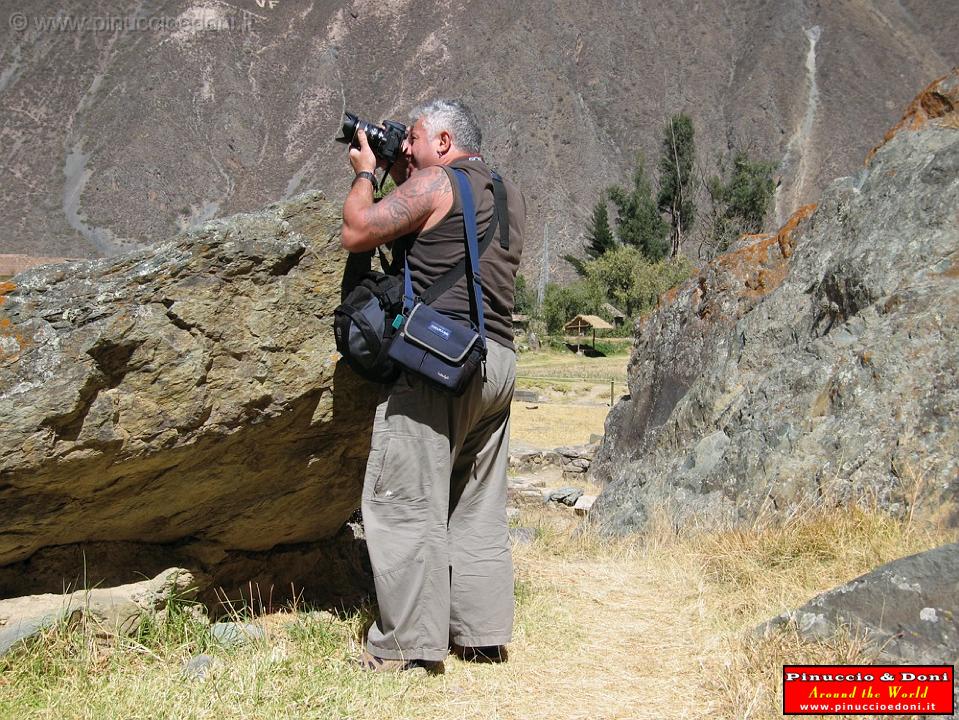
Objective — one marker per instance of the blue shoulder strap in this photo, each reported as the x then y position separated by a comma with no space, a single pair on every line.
474,284
472,252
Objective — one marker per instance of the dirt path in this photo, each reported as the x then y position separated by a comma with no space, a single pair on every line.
635,651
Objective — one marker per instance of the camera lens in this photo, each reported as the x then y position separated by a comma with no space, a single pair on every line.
385,142
350,125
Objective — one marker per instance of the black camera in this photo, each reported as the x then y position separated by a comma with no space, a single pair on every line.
386,142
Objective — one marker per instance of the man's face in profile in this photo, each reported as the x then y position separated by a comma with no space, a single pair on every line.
419,149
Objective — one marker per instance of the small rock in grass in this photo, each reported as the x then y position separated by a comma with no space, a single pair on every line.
566,496
198,668
232,634
522,535
519,482
584,504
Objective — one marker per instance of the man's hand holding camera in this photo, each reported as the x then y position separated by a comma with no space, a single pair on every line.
418,197
362,158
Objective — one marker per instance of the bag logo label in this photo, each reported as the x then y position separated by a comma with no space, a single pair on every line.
439,330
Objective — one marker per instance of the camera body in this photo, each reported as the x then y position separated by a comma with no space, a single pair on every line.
385,141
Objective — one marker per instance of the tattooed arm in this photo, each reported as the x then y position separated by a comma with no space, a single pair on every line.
407,209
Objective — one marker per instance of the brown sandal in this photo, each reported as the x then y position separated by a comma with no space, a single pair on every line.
370,662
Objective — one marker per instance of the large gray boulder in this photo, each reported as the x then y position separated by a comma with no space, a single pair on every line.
907,610
183,405
816,365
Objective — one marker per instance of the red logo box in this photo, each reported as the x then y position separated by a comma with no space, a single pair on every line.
868,689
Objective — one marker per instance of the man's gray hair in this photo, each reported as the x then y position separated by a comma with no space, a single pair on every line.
454,117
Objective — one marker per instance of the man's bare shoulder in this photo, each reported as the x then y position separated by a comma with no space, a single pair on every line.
425,182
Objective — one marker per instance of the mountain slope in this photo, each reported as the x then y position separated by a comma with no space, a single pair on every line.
124,135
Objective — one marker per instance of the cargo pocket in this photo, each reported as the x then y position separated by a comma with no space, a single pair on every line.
374,469
407,468
395,534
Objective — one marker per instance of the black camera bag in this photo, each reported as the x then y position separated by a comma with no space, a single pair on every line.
363,325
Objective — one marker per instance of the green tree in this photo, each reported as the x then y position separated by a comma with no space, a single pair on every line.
740,196
524,300
578,265
562,303
627,279
638,222
675,196
599,235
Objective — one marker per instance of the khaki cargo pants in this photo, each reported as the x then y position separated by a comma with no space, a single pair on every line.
434,511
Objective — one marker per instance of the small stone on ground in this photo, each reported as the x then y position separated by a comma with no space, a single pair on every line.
231,634
522,535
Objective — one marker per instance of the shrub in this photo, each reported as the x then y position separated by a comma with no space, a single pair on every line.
628,280
563,303
740,196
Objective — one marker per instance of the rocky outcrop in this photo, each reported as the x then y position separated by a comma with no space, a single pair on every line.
183,405
573,460
936,104
906,610
817,365
576,459
118,610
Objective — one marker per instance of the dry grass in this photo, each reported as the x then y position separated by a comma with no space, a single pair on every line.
641,627
574,393
551,425
568,365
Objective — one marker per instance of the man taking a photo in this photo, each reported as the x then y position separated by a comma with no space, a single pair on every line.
434,493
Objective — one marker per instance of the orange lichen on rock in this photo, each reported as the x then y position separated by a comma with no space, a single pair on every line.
939,101
5,289
7,327
761,267
753,237
6,330
785,235
668,297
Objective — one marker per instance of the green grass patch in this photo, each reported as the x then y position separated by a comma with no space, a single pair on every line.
303,669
